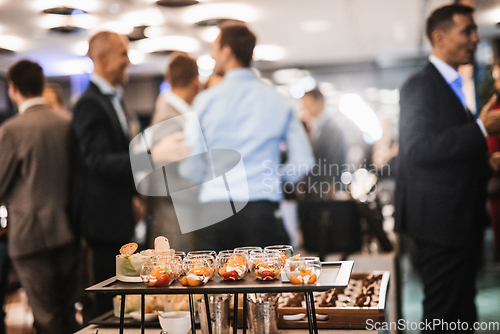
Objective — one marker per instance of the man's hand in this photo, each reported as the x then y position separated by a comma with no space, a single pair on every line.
495,161
491,118
171,148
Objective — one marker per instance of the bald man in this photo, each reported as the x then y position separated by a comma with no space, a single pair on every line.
103,186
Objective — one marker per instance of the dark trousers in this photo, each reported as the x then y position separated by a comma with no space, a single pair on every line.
257,224
449,278
48,279
104,266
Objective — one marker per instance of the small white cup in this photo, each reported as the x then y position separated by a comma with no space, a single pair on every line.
175,322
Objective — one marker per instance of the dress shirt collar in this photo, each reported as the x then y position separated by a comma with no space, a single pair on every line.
178,103
240,73
105,87
449,73
30,103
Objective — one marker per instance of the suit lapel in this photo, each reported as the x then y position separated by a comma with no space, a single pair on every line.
448,94
110,111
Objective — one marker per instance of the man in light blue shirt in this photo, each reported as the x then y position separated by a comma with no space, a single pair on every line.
248,116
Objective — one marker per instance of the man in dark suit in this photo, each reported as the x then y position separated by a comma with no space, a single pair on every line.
103,185
443,170
34,178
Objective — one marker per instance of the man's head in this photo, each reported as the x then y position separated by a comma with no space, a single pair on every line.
453,34
26,80
54,96
108,51
182,71
314,103
182,74
233,48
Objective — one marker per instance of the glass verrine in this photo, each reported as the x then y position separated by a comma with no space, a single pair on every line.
158,271
286,251
303,270
210,258
265,266
196,271
201,252
232,266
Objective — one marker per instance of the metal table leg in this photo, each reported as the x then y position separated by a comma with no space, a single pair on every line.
313,310
235,316
209,316
143,307
309,314
122,313
245,313
191,310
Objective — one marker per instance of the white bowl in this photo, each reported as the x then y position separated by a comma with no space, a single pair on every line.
175,322
147,316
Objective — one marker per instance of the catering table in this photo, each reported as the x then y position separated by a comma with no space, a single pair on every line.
333,275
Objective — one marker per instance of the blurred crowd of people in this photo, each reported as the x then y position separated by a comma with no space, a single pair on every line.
67,180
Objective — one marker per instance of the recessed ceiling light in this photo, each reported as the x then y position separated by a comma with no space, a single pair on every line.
120,27
67,30
87,5
268,52
154,31
80,48
209,34
176,3
63,10
136,57
11,42
168,43
222,10
205,62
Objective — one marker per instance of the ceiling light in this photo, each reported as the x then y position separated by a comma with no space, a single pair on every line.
148,17
287,75
209,34
85,21
11,42
205,62
80,48
268,52
314,26
81,21
119,27
176,3
177,43
154,31
223,10
136,57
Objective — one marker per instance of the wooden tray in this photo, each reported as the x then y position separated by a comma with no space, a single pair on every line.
343,317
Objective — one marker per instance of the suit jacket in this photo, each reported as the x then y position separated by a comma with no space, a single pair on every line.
103,185
34,178
443,167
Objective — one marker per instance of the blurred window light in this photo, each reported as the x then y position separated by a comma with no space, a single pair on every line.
287,75
353,106
148,17
268,52
314,26
177,43
389,96
209,34
154,31
12,43
57,67
120,27
222,10
346,178
80,48
136,57
492,16
205,62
